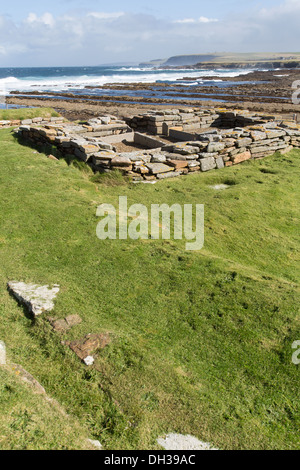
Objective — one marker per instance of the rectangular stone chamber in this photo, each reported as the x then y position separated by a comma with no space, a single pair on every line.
166,143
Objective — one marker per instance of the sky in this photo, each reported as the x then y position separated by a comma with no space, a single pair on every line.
94,32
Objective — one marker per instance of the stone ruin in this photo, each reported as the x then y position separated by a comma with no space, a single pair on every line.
165,143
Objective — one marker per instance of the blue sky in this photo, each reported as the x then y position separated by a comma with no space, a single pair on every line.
171,9
91,32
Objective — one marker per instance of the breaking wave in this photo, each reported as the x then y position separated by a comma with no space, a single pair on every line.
34,80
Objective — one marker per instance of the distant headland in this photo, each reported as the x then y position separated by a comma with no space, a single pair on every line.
229,60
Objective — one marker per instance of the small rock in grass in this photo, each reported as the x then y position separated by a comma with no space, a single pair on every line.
89,360
58,325
20,372
73,320
220,187
86,346
65,323
95,444
52,157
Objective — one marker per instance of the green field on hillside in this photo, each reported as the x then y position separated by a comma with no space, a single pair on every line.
201,341
26,113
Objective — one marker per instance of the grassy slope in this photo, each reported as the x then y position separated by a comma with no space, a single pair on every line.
29,422
255,57
202,340
26,113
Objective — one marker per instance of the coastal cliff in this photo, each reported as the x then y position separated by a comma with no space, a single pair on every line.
229,61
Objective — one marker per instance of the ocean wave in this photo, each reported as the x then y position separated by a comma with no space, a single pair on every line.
127,75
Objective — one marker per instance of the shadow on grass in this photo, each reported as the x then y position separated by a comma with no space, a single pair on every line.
230,182
113,178
27,314
46,149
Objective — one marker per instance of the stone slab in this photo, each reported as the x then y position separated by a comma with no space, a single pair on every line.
38,299
158,168
207,164
180,442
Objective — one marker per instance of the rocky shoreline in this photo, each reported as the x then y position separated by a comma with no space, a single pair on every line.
257,91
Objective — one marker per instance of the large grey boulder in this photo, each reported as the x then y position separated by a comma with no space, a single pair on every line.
38,299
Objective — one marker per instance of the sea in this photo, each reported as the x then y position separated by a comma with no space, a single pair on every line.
76,79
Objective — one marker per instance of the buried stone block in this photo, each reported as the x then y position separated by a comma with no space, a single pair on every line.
91,343
38,299
180,442
22,374
65,323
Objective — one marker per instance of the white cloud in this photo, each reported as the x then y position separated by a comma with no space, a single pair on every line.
46,19
185,21
202,19
31,18
105,16
98,37
286,8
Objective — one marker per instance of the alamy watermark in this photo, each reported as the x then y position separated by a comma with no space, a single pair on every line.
296,355
296,94
161,222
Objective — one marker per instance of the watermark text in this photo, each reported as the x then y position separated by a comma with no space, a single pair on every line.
161,222
296,355
296,94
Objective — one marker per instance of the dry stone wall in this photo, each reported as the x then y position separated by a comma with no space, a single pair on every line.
35,121
201,150
190,119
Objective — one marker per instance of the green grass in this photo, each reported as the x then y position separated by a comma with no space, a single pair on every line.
30,422
202,341
26,113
